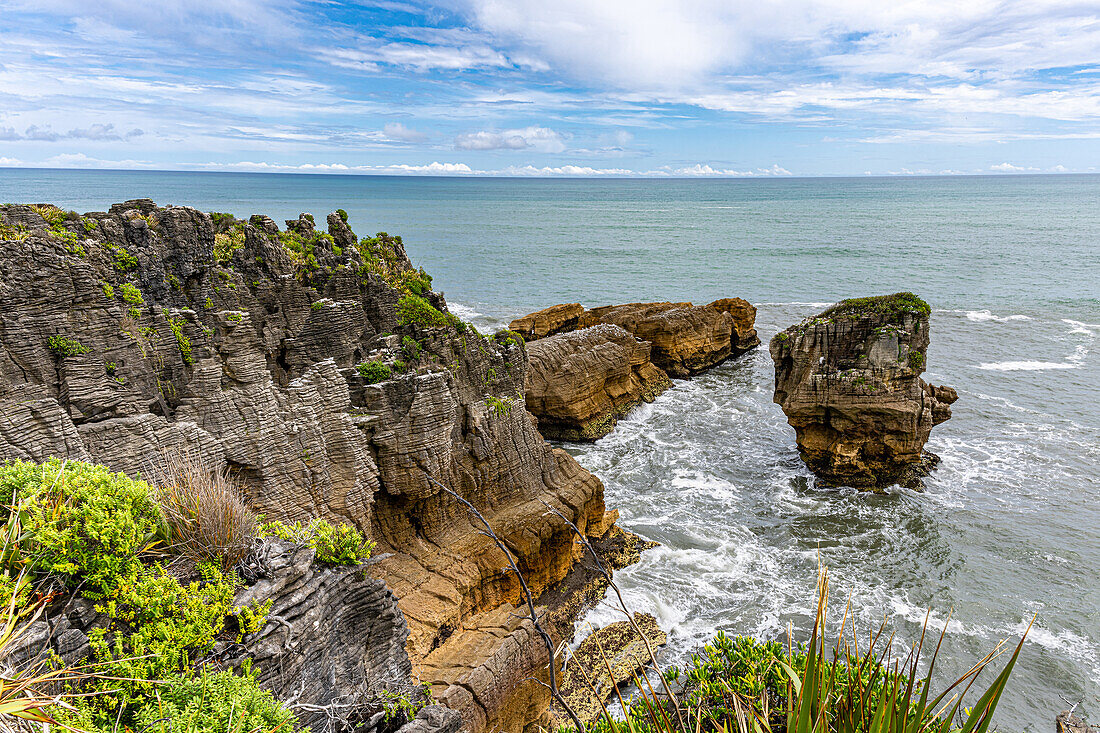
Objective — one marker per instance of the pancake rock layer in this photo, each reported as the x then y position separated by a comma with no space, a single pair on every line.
849,383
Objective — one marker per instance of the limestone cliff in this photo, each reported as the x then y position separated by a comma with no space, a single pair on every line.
686,339
329,379
579,383
849,383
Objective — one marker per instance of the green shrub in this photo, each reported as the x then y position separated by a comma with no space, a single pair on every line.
410,347
373,371
892,307
182,341
336,544
343,215
78,519
131,294
499,406
62,346
215,702
228,242
412,310
107,289
122,259
916,360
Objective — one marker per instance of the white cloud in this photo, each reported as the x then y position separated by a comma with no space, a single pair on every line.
1010,168
708,171
540,139
397,131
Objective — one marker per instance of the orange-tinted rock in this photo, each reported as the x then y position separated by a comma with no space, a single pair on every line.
548,321
580,383
849,383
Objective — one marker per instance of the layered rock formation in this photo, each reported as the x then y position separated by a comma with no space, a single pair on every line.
686,339
579,383
609,657
326,376
849,383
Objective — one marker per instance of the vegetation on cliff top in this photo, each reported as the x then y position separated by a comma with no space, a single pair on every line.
890,307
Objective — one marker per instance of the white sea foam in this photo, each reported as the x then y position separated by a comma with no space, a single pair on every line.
1026,366
984,315
1085,329
464,312
800,303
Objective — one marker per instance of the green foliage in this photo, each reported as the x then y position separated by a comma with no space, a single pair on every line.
228,242
343,215
916,360
499,406
892,307
13,233
234,317
252,618
184,343
336,544
135,313
131,294
62,346
107,289
374,371
90,225
303,249
122,259
410,347
215,702
222,221
316,305
400,365
412,310
398,708
78,519
111,367
209,303
53,215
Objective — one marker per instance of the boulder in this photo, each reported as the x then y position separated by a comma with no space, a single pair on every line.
1068,722
580,383
686,339
849,383
609,657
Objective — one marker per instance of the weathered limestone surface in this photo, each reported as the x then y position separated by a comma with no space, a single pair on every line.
686,339
579,383
849,382
250,358
609,657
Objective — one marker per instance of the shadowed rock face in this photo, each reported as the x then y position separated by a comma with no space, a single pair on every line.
686,339
579,383
121,335
849,382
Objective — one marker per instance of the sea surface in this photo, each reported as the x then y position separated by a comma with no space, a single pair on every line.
1009,526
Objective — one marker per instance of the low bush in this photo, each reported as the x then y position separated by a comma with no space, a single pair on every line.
206,515
412,310
131,294
374,371
338,544
215,702
62,346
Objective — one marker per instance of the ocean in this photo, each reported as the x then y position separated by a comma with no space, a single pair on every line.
1009,526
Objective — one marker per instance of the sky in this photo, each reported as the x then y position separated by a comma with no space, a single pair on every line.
560,88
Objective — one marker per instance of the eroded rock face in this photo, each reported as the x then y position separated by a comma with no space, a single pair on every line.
849,383
128,332
686,339
579,383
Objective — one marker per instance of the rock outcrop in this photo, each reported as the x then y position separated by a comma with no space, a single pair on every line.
323,373
849,383
580,383
609,657
686,339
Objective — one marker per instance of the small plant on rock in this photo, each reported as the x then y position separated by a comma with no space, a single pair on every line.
336,544
63,347
374,371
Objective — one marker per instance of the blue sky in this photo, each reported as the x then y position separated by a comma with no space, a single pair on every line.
569,87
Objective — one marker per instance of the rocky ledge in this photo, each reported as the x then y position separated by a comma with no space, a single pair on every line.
579,383
849,383
322,372
686,339
589,367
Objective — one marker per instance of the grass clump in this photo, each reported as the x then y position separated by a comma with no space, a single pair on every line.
215,702
206,515
228,242
63,346
182,341
892,307
13,233
336,544
499,406
916,360
412,310
374,371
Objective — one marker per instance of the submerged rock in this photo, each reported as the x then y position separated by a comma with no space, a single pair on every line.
849,383
580,383
609,657
686,339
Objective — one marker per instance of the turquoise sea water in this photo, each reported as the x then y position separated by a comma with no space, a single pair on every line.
1010,524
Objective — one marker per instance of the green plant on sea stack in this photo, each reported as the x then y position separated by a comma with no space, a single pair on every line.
335,544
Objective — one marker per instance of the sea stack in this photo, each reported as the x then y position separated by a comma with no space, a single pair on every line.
848,380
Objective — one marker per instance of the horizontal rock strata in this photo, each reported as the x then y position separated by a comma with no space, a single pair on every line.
849,383
324,374
686,339
579,383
